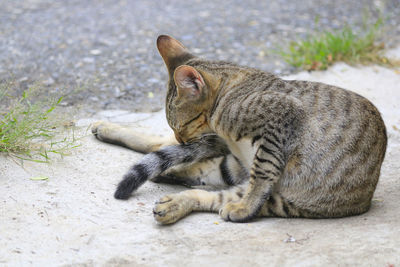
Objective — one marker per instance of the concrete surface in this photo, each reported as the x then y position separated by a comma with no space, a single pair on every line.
73,219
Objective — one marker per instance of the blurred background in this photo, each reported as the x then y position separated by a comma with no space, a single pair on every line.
102,54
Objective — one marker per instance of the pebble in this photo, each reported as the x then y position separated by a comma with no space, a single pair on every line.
88,59
23,79
117,92
95,52
49,81
197,50
129,87
153,80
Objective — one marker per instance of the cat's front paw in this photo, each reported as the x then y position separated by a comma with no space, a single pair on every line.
171,208
236,212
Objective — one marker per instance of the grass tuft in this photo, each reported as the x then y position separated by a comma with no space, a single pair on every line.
29,127
322,50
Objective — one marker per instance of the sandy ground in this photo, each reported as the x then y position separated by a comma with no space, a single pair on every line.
73,219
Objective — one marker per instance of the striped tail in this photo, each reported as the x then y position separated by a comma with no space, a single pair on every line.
155,163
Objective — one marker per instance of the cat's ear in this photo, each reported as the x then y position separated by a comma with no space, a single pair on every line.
189,82
172,52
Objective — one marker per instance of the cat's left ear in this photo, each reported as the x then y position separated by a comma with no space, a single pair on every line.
172,52
189,81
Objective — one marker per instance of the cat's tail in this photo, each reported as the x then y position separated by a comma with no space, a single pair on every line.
155,163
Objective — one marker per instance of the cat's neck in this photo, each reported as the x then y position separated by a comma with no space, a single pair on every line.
235,80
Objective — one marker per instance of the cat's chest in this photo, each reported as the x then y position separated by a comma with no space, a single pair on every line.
243,150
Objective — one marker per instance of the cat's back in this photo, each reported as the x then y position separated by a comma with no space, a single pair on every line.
322,99
340,150
337,116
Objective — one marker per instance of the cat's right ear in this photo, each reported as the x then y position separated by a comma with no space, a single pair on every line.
172,52
190,84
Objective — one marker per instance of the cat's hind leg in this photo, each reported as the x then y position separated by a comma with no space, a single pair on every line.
277,206
119,135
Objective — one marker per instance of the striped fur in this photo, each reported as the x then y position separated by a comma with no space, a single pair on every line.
297,148
178,164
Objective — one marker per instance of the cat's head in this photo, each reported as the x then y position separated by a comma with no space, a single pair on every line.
190,91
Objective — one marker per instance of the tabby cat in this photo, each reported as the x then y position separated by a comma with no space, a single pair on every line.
271,147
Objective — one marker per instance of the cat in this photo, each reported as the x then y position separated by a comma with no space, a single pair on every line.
271,147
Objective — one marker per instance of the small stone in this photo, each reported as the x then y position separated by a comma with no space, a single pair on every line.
129,87
204,14
153,80
95,52
88,59
49,81
107,42
23,79
253,23
197,50
187,37
117,92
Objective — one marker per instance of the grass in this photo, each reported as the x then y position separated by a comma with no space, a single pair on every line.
30,129
319,51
